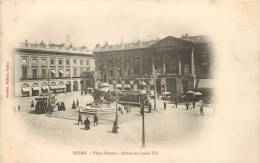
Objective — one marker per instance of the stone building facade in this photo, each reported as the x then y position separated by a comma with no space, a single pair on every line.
36,66
178,62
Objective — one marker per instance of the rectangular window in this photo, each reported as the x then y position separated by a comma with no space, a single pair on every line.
67,72
88,69
87,62
136,59
127,60
74,61
52,61
34,61
110,72
25,72
136,70
44,74
67,62
81,69
110,61
44,61
127,69
34,73
171,66
25,60
118,61
52,73
61,73
74,71
81,61
145,64
60,61
186,69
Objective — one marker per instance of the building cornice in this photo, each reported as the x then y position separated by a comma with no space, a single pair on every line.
53,51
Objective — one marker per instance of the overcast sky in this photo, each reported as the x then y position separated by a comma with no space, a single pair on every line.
92,22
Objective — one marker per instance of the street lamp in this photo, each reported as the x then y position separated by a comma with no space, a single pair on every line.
142,92
95,78
116,92
154,77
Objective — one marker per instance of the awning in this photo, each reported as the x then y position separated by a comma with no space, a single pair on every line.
142,83
104,89
52,71
143,91
58,87
61,71
26,89
35,88
206,83
119,85
166,93
45,88
126,86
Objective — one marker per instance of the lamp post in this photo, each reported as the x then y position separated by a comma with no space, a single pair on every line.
95,78
143,126
142,92
49,92
116,92
154,77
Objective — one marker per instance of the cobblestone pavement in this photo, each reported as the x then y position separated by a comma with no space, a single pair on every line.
173,125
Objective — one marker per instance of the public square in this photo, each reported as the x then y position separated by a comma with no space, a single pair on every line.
162,127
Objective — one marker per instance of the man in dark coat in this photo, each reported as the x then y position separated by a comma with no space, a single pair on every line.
63,106
59,106
95,120
32,104
120,109
176,101
149,107
77,103
73,105
87,124
164,105
193,103
187,105
79,118
201,110
115,127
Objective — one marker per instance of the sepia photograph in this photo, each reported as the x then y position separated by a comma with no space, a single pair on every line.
97,81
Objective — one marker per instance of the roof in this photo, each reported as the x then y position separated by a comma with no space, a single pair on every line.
168,41
126,46
196,39
43,50
171,41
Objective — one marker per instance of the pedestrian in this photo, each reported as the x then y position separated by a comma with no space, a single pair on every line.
73,105
201,109
115,127
149,107
95,120
164,105
77,103
19,108
79,118
176,101
187,105
32,103
87,124
120,109
63,106
141,110
193,103
59,106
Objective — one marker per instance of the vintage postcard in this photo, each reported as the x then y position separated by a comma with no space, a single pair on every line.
127,81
